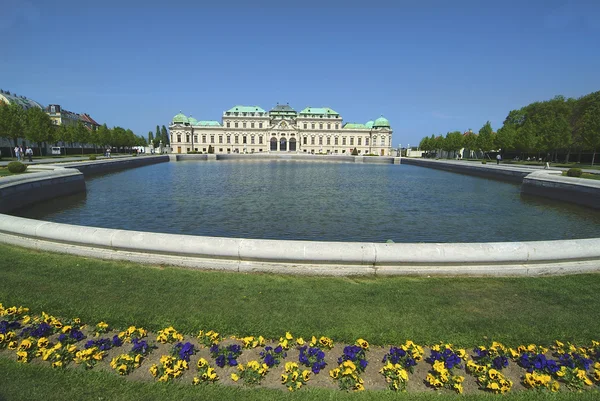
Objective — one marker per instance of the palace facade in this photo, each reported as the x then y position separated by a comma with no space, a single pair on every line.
250,129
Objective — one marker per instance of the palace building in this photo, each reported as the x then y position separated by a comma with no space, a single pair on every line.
250,129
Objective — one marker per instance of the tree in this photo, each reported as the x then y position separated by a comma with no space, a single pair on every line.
150,137
485,139
424,144
354,152
104,136
12,118
587,122
38,127
80,134
470,141
453,142
158,135
211,149
165,136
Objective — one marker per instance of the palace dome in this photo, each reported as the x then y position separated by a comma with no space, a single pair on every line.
192,120
381,122
369,124
180,119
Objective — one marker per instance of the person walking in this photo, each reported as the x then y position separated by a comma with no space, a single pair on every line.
17,154
498,158
21,153
29,153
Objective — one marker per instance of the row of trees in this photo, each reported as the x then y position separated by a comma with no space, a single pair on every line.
549,127
161,135
36,126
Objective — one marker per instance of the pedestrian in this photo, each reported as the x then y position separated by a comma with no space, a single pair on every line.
29,153
21,153
17,154
108,152
498,158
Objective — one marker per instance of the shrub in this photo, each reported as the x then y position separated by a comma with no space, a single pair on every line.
16,167
484,162
354,152
574,172
92,157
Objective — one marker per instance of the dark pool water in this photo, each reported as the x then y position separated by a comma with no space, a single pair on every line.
317,201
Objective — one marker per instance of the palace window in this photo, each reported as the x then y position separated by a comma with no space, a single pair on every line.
244,124
366,141
359,141
236,125
337,126
252,139
244,139
382,141
320,125
320,140
196,138
203,138
228,138
237,139
312,125
304,141
251,125
178,137
220,138
228,124
312,140
260,124
212,139
187,137
335,141
351,140
328,141
343,140
328,126
305,125
374,141
260,139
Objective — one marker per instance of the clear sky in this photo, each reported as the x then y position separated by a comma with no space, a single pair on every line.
428,66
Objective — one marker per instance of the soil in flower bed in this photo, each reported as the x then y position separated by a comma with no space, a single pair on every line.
373,380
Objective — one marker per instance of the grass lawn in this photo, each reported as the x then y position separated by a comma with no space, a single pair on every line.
5,173
386,310
389,310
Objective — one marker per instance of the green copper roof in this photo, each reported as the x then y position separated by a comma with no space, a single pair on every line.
319,110
369,124
180,118
192,120
208,123
246,109
354,126
381,122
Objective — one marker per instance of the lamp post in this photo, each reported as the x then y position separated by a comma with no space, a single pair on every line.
370,139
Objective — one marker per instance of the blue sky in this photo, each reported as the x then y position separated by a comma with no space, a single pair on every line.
428,66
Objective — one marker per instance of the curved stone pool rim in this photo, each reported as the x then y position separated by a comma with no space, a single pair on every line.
287,257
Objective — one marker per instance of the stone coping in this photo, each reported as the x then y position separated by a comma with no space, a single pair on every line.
303,257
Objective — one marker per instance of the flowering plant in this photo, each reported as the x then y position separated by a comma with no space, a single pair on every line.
539,368
126,363
37,330
205,373
7,332
12,313
312,357
101,328
26,350
323,342
89,356
141,347
168,335
170,368
227,355
103,344
284,342
486,365
60,355
445,361
208,338
395,375
183,351
273,356
252,373
351,364
406,355
132,333
293,379
70,335
253,342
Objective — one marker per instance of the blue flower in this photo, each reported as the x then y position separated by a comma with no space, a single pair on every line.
116,341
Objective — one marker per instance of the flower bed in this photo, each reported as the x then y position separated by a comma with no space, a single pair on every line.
294,363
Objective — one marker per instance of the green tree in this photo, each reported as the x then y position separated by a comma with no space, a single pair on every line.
211,149
165,136
587,122
424,144
12,121
453,142
80,134
470,142
485,139
38,127
150,137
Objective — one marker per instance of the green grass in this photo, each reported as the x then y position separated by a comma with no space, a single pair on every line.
5,173
33,382
384,310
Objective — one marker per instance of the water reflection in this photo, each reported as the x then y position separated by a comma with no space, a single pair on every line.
318,201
